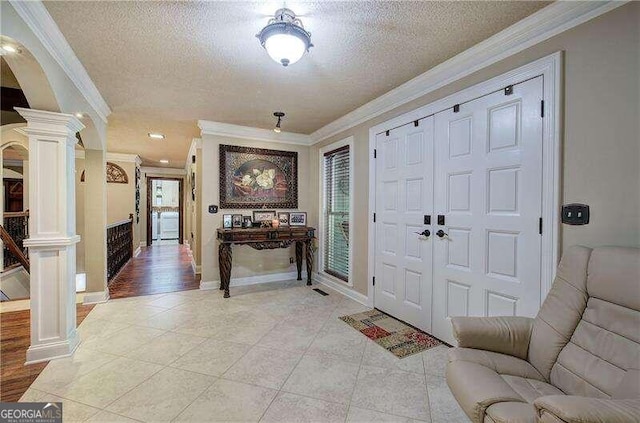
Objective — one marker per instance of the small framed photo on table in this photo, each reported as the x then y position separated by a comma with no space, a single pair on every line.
227,222
237,221
298,219
283,217
247,222
260,216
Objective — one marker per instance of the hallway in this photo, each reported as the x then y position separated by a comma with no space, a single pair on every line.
156,270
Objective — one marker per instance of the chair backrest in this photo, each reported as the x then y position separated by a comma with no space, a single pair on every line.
591,323
561,310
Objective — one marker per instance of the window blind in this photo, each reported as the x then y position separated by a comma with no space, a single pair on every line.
336,212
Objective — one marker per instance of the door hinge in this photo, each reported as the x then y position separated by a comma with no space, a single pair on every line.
540,226
387,133
456,108
374,281
374,218
375,153
541,108
508,90
416,122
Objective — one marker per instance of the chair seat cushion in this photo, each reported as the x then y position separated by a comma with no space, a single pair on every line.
493,387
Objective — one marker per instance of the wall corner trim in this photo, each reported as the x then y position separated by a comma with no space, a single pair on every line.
550,21
246,132
38,19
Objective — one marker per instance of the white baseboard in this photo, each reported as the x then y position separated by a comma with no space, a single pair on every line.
46,352
204,285
137,251
253,280
96,297
342,289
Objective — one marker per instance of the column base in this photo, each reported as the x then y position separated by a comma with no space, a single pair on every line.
53,350
96,297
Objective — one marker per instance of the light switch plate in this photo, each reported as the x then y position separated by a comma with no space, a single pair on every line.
213,209
575,214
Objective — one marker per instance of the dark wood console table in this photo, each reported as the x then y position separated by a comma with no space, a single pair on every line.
265,239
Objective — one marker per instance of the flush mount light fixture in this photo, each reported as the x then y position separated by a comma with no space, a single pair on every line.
156,136
285,38
279,115
164,161
79,115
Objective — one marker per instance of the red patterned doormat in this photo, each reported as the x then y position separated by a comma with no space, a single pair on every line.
391,334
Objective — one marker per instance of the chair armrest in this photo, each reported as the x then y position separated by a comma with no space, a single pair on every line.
574,409
506,335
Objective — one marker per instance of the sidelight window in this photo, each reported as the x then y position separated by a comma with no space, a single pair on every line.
337,187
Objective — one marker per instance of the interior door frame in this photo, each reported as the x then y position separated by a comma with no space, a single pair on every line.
550,67
180,181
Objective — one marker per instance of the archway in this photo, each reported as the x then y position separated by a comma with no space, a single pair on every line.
47,141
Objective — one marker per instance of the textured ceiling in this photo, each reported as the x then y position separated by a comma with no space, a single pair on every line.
163,65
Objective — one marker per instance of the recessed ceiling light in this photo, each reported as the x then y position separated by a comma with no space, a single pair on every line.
9,49
156,136
79,115
164,161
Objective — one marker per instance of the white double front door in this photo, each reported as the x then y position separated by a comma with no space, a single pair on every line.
476,173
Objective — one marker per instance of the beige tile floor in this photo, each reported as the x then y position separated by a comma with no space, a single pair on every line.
270,353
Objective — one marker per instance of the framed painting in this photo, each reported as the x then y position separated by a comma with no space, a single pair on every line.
253,178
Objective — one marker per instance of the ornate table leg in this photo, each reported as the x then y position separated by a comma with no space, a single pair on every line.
299,258
224,259
309,259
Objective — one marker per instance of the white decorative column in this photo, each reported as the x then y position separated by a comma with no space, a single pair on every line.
52,233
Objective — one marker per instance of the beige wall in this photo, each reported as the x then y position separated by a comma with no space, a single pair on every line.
246,261
601,144
120,202
80,268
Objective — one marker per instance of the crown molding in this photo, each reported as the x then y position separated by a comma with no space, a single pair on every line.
246,132
163,171
115,157
38,19
552,20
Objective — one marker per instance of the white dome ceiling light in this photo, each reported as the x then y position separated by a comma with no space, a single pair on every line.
284,37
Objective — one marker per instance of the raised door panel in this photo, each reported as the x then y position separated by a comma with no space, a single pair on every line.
490,193
404,180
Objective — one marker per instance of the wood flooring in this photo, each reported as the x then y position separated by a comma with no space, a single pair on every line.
156,270
15,337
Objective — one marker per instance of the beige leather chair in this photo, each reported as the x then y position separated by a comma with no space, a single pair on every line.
578,361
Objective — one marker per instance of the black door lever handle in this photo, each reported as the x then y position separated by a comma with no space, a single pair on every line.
426,233
441,233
